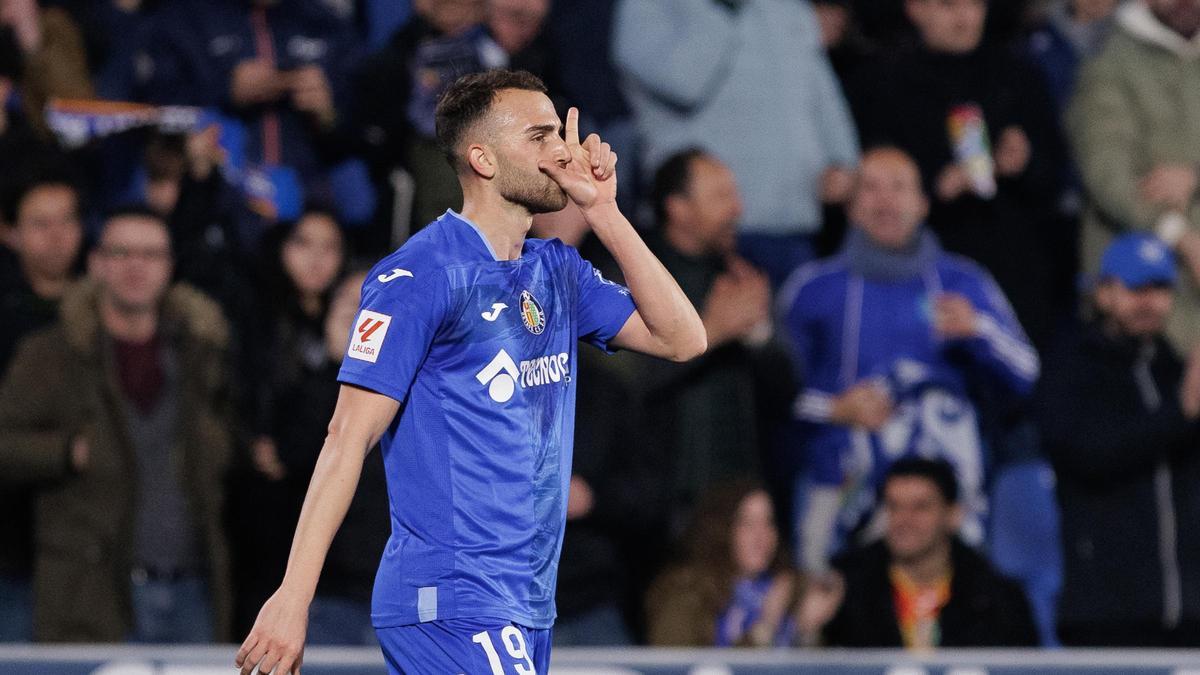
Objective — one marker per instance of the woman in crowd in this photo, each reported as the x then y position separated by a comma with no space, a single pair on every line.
287,352
736,587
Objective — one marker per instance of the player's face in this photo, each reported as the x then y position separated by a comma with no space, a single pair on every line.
1137,312
888,203
918,518
712,205
312,255
954,26
754,538
48,234
133,262
526,131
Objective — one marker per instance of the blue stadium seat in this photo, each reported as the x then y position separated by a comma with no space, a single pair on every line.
1025,538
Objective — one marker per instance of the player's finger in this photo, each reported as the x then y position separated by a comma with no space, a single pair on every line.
256,655
284,667
270,661
611,167
244,650
600,156
572,128
592,145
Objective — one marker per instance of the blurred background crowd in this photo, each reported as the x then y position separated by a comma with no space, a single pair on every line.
946,252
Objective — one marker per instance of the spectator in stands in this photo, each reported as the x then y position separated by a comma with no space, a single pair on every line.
735,588
46,236
1119,412
711,415
1072,32
289,355
294,305
113,32
24,149
842,37
215,234
52,51
748,80
921,587
398,87
117,414
280,66
578,31
1134,141
517,27
946,101
887,336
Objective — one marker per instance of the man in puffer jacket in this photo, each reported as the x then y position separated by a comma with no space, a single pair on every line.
118,415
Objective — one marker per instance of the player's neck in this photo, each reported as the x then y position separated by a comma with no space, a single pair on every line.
502,222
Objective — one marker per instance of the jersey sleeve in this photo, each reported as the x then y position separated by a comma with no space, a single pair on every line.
393,331
602,306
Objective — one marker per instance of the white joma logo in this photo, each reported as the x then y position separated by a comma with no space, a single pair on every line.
497,307
394,274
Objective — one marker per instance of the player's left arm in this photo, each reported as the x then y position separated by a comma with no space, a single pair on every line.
665,324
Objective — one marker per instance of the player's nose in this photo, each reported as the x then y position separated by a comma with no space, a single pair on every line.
560,153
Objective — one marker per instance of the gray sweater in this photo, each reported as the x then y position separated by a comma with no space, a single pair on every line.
752,86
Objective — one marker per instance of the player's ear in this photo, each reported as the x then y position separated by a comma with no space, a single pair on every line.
481,160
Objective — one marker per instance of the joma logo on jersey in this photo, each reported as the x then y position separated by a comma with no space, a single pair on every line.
369,331
502,374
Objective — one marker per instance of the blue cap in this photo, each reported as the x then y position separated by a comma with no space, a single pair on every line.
1138,260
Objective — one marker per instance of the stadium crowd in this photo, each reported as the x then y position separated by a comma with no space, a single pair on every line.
947,254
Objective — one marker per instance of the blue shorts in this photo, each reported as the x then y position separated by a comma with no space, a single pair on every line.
470,646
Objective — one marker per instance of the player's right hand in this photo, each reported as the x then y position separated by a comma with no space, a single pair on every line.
276,643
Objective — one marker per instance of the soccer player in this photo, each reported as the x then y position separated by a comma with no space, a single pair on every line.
462,365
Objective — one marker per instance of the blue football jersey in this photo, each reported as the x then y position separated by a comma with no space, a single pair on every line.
480,353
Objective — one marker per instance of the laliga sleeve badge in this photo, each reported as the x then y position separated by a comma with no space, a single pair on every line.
369,331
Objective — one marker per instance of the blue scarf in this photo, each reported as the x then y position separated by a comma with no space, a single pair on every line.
874,262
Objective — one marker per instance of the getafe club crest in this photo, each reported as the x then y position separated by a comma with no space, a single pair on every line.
531,313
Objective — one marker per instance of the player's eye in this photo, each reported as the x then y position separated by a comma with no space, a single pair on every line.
540,138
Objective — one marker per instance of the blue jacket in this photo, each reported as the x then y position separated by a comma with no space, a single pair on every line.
867,314
752,86
195,45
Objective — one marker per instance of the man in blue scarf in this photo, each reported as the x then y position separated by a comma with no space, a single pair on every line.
887,337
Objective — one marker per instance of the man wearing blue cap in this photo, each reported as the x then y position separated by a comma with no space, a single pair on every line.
1119,411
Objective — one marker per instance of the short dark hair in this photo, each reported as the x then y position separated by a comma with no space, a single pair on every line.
673,177
936,471
17,194
136,210
467,100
